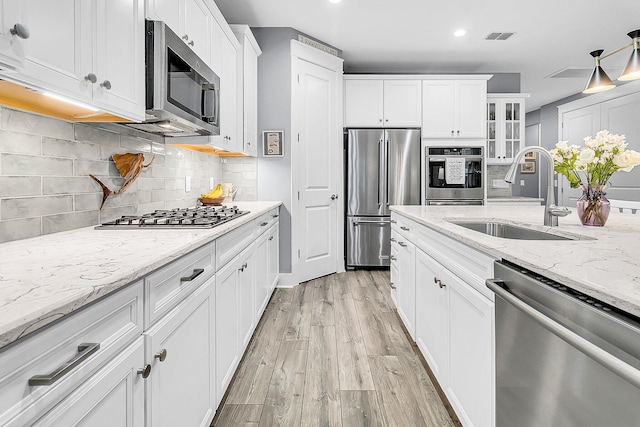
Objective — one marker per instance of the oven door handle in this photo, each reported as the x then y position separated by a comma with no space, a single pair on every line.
612,363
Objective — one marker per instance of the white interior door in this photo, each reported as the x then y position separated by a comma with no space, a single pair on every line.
316,160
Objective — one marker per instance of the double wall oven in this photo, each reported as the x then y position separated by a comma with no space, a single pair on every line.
454,176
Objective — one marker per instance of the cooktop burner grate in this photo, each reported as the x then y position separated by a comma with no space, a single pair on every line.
198,217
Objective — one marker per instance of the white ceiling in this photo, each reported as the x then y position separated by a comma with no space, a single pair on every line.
416,36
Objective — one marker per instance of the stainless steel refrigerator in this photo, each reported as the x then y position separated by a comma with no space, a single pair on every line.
383,169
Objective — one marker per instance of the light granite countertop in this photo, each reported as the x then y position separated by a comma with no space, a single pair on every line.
44,278
607,268
515,199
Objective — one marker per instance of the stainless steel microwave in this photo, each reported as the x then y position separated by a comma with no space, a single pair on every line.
182,92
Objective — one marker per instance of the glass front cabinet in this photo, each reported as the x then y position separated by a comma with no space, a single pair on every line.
505,126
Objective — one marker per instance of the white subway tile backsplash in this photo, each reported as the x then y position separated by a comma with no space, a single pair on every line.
45,187
20,143
68,221
136,144
87,202
18,164
20,229
96,168
67,185
16,186
52,147
16,208
18,121
88,133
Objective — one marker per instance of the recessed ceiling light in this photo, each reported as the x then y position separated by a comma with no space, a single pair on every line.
335,1
461,32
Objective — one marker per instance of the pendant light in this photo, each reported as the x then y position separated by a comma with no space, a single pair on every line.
599,81
632,70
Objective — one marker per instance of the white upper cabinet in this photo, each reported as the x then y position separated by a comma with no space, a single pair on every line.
118,60
382,103
12,35
505,127
97,57
228,138
454,108
247,86
189,19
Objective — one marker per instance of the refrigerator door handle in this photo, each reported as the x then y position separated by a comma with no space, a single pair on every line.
386,173
381,182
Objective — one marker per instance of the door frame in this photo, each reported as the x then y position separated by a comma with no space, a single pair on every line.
301,51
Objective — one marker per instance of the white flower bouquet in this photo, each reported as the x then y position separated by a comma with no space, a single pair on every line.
593,164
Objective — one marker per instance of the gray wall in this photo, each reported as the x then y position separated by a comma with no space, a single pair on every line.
547,117
274,113
45,187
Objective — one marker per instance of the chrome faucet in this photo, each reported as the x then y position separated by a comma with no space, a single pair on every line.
551,211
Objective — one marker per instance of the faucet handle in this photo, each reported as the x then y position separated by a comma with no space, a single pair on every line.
558,211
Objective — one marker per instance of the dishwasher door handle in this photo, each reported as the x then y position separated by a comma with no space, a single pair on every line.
619,367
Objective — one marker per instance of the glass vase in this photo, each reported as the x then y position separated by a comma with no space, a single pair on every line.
593,207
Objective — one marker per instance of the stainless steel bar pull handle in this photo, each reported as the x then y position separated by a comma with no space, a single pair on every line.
596,353
439,282
275,216
371,222
84,351
392,285
392,239
262,224
403,244
405,228
196,273
392,258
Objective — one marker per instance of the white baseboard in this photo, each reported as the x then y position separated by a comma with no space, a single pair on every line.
287,281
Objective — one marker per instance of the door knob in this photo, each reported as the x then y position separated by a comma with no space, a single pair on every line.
334,196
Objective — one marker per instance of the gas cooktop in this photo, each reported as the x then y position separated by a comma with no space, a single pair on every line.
198,217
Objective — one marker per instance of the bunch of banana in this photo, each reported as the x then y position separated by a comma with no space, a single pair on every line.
215,193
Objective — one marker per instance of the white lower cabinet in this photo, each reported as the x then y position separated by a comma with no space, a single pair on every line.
406,287
246,268
227,329
453,322
158,352
432,327
114,397
273,265
471,368
180,349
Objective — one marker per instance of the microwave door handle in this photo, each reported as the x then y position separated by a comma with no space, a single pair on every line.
209,89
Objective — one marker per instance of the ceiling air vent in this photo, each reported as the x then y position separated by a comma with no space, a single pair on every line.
498,36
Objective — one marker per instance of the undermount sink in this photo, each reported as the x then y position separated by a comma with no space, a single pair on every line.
510,231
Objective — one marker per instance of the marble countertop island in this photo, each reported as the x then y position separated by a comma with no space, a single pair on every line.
43,278
607,267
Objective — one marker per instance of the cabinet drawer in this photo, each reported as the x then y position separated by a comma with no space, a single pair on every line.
112,323
266,220
169,285
230,245
403,227
262,223
473,266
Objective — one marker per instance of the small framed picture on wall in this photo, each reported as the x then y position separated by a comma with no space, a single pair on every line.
528,167
273,143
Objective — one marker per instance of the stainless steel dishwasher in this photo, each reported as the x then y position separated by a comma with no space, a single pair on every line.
563,359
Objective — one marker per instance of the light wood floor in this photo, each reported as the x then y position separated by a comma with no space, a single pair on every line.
331,352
